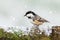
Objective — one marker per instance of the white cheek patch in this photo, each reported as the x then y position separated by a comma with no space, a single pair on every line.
30,15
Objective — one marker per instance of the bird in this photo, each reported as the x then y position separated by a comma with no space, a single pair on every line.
37,20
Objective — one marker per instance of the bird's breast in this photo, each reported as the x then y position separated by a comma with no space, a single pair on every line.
36,22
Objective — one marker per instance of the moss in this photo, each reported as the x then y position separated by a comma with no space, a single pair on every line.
13,36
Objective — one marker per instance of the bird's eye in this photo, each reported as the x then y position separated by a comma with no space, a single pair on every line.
29,17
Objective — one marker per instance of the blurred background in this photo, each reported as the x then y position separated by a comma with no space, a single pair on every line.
12,12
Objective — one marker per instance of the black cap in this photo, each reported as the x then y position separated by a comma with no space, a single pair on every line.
29,13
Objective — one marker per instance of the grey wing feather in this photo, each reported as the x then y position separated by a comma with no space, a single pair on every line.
43,20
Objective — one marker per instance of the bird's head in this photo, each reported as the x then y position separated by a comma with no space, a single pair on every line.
30,14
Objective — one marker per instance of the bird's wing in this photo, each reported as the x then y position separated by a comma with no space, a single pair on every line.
43,20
